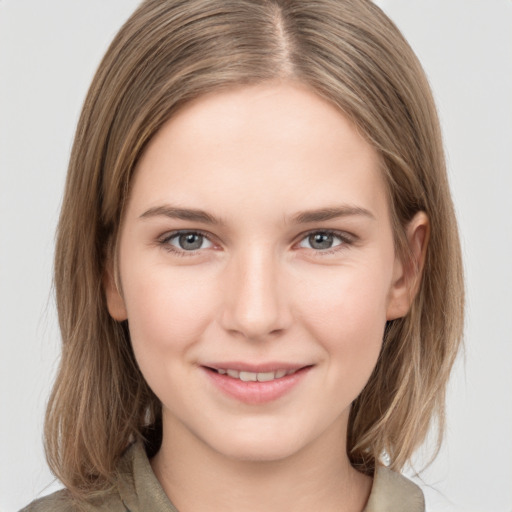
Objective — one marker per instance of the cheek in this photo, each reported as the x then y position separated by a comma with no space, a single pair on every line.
347,317
167,310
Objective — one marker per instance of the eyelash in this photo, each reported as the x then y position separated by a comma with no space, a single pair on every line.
164,241
346,240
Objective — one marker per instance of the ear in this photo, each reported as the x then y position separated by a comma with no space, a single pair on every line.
115,301
407,274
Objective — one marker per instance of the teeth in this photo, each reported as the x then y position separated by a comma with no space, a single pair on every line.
248,376
266,376
255,377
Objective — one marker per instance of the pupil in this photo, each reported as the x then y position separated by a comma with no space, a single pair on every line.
320,241
191,241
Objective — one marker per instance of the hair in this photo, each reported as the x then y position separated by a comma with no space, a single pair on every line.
168,53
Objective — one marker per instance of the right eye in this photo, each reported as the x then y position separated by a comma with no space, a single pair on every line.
325,242
186,241
321,240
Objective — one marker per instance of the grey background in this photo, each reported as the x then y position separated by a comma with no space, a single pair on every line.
49,50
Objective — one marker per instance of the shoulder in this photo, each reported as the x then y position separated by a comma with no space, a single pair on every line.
62,501
122,497
393,492
58,501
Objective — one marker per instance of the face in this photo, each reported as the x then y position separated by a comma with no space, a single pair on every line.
257,270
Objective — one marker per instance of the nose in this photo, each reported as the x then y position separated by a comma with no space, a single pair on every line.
256,304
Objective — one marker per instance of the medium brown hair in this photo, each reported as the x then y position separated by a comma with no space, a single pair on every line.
168,53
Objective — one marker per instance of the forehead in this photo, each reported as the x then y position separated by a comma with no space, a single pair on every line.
259,146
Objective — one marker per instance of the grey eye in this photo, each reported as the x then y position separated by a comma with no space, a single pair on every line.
190,241
321,241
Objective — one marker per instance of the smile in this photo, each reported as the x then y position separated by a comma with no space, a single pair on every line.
253,384
254,376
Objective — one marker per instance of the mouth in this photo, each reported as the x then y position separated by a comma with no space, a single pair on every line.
249,376
253,384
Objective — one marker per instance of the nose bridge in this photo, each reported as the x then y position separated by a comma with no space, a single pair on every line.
256,303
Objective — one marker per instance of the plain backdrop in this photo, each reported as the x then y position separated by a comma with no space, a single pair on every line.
49,50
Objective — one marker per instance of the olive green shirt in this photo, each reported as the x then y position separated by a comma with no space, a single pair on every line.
138,490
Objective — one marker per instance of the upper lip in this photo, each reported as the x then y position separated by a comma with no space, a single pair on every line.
255,368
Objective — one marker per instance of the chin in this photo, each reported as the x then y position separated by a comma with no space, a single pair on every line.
260,445
262,451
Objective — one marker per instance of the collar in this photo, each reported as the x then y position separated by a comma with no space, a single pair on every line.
140,490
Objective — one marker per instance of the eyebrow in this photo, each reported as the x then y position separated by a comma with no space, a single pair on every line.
305,217
324,214
172,212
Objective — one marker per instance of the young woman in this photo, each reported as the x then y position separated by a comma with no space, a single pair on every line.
257,269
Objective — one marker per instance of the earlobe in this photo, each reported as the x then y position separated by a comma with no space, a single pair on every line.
115,301
407,274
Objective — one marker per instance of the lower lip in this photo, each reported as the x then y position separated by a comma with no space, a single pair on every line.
256,392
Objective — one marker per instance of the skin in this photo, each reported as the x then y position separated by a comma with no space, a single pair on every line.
260,289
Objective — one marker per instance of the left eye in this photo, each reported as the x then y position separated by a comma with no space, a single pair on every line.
321,240
189,241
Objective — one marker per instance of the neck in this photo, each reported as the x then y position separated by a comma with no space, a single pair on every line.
318,477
